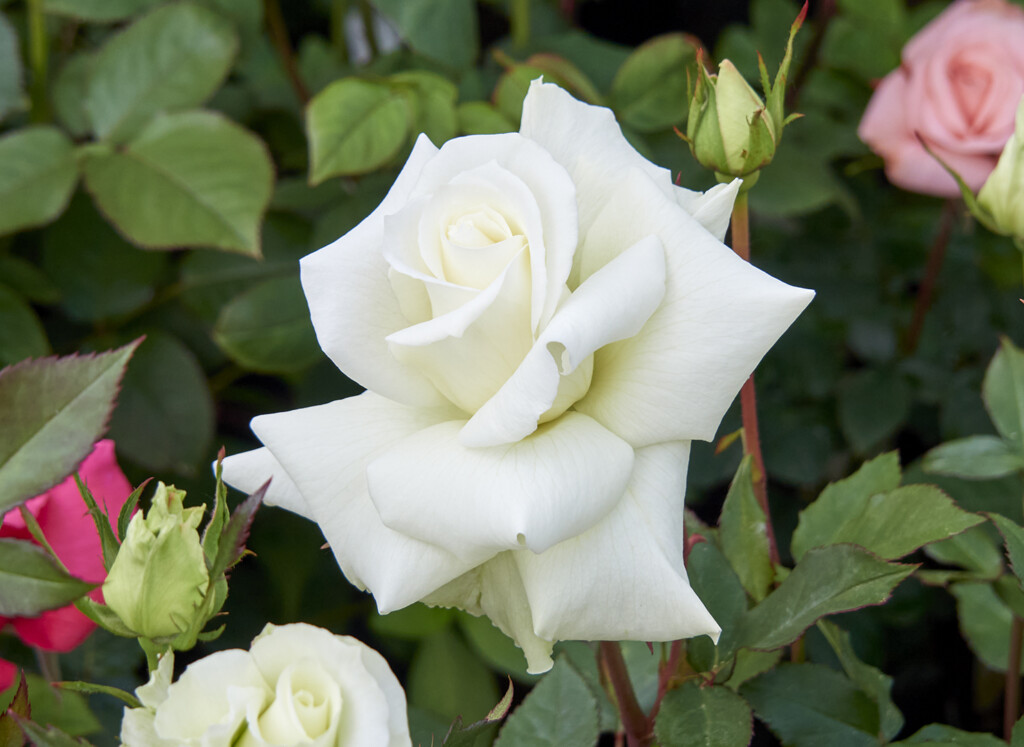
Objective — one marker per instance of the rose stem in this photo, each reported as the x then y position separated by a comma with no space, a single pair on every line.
634,721
366,15
37,52
936,255
279,35
520,22
1011,701
666,671
748,398
339,10
48,663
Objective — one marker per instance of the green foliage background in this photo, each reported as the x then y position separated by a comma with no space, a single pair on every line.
164,165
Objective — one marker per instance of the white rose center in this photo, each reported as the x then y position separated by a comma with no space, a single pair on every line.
306,707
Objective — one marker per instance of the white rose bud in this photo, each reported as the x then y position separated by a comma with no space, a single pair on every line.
158,579
297,684
1002,196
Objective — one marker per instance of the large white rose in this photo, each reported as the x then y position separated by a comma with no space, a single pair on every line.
543,322
296,685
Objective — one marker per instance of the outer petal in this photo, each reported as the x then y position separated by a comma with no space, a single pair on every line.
325,450
398,722
676,378
496,589
613,304
250,469
588,142
352,303
624,579
712,209
535,493
211,698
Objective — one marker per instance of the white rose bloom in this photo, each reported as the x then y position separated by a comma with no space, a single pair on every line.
297,685
543,322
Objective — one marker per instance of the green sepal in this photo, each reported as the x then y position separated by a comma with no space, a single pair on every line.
91,688
129,508
105,617
108,542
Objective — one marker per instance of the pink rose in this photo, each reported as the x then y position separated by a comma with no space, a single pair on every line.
957,88
70,530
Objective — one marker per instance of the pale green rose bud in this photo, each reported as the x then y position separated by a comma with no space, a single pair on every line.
158,579
1002,196
729,128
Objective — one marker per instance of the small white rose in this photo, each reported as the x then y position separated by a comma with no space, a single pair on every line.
543,322
297,685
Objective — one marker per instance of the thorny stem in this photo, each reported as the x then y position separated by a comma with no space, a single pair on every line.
1011,695
925,292
748,398
37,52
636,724
279,35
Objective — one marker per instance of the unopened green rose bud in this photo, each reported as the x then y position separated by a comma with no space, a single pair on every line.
157,581
1002,196
729,128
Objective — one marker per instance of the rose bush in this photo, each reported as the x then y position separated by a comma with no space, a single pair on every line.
297,684
957,90
70,530
543,322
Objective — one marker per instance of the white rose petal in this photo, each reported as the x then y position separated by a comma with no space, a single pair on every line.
543,321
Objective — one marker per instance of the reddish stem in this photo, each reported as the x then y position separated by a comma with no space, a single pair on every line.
634,721
748,397
279,36
925,292
665,673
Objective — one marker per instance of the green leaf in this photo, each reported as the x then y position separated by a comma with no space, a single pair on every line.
511,90
49,736
560,711
53,410
974,457
481,118
718,587
976,550
806,703
33,580
189,179
1017,738
21,333
743,535
10,732
68,94
267,328
355,126
696,716
890,525
876,684
937,734
446,679
97,11
1013,537
173,58
67,711
413,622
1003,392
12,97
872,406
38,176
444,30
750,663
26,279
496,648
650,90
827,580
985,623
89,291
432,103
165,421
